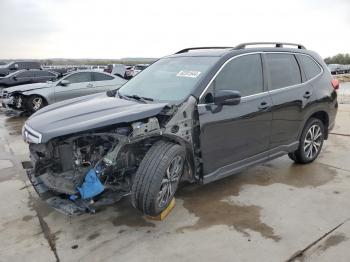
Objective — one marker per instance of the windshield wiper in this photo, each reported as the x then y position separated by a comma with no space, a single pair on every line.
135,97
139,98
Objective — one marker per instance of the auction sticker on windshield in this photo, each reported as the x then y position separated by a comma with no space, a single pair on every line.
192,74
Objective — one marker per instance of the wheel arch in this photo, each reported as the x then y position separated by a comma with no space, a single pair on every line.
323,116
185,144
27,97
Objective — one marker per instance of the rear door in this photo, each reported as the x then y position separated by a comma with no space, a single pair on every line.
79,84
232,136
291,96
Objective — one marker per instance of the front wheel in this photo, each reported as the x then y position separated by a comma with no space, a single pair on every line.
34,103
157,178
310,143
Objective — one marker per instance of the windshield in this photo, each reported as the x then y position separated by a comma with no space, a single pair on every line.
169,79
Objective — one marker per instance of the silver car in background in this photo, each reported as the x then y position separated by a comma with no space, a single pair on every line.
33,97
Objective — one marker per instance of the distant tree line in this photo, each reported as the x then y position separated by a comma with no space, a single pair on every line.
96,61
342,59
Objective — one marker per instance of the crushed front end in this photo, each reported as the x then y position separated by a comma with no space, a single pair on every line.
82,172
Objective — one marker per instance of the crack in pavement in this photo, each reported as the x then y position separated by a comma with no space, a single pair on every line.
335,167
299,254
339,134
50,238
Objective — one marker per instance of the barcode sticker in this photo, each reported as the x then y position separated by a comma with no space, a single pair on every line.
191,74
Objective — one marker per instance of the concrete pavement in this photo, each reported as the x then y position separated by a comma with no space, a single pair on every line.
278,211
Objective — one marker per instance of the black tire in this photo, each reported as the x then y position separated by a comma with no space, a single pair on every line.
150,180
310,143
31,106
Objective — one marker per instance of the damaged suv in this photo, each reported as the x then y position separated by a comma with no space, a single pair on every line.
198,115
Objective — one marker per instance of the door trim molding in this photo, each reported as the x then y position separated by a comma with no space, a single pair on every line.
236,167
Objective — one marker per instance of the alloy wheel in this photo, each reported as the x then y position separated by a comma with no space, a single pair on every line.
37,103
170,181
313,141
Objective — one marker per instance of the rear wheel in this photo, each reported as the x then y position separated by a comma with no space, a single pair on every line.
34,103
310,143
157,178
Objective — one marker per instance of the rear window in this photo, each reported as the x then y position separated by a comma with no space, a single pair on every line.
283,70
310,67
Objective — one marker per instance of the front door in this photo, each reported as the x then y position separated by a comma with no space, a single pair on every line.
233,136
24,77
79,84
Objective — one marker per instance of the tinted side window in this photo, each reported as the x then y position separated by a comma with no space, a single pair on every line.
309,66
101,77
43,73
26,65
243,74
20,65
283,70
79,77
25,74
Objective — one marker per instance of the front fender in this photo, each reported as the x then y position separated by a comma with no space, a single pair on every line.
44,93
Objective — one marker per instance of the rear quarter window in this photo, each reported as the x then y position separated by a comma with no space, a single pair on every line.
283,70
310,67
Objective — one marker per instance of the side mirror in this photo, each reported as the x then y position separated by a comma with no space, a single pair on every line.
64,83
14,78
227,97
111,93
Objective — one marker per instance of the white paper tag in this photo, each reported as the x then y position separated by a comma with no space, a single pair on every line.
191,74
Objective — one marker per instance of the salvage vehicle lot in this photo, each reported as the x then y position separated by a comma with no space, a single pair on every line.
267,213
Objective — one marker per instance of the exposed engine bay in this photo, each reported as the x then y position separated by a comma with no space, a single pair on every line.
79,173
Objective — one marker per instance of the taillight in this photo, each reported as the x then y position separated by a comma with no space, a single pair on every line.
335,84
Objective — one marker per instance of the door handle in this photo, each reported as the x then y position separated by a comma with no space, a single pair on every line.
90,85
263,105
307,94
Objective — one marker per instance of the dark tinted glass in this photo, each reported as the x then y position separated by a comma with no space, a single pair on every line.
309,66
283,70
79,77
43,73
33,65
101,77
25,74
243,74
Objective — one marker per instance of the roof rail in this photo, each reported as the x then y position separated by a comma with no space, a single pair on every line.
277,44
199,48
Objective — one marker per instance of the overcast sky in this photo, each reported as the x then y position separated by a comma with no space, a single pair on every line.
154,28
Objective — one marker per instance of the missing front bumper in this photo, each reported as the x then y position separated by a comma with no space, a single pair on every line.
62,205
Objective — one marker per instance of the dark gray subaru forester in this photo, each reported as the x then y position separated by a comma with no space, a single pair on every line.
198,115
